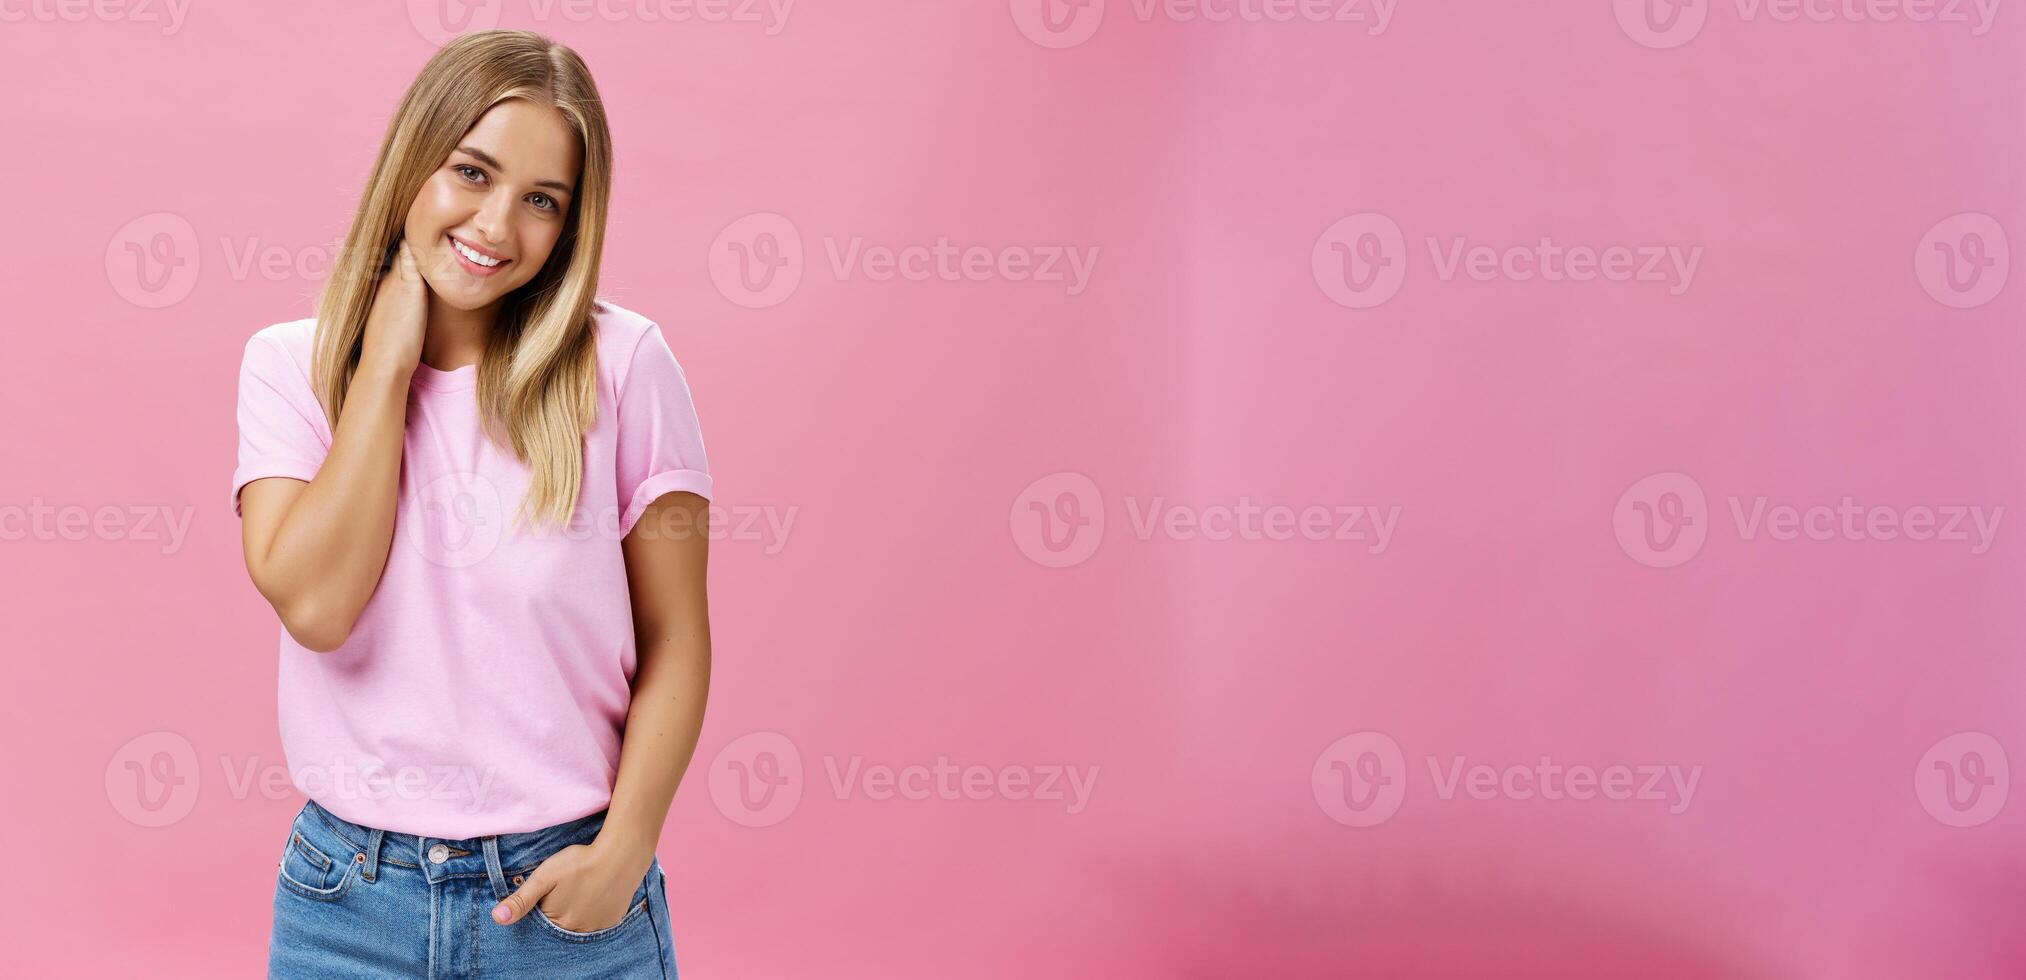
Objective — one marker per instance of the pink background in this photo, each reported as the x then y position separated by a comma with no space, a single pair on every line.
903,426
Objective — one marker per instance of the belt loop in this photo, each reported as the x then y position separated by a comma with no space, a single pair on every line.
490,845
373,839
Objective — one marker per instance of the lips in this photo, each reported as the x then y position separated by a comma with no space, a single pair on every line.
464,261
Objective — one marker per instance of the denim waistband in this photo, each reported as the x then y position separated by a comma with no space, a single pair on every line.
496,856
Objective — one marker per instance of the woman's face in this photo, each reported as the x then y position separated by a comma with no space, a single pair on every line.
505,193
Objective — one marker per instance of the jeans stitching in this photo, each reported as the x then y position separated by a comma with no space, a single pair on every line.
331,894
664,945
592,937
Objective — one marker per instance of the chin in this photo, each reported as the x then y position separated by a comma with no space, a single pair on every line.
467,300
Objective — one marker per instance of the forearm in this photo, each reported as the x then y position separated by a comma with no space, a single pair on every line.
662,727
327,554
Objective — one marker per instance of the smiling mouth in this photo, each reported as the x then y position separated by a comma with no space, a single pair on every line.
474,260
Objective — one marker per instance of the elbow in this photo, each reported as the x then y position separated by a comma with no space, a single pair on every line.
317,630
315,642
312,616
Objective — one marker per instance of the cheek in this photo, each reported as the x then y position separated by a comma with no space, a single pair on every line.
537,246
433,205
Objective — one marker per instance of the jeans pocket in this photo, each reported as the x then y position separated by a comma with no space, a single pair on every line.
312,865
636,911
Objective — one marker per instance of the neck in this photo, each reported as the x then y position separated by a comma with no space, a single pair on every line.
454,337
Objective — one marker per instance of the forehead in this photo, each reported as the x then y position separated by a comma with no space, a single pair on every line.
532,142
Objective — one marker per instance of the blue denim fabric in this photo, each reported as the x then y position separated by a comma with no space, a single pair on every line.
362,904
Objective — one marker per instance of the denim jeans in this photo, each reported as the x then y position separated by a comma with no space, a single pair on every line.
356,902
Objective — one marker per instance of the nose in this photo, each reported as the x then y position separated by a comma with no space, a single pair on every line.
491,219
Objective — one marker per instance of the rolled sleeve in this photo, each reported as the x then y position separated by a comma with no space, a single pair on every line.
280,421
660,443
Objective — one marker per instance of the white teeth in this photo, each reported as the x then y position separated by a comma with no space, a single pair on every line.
474,256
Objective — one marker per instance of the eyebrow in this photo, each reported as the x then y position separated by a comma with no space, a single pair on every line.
486,158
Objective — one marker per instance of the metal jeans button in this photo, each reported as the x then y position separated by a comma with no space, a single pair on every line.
439,854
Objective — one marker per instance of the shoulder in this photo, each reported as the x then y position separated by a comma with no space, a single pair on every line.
282,349
621,336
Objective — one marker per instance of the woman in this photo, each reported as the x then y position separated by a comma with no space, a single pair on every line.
455,680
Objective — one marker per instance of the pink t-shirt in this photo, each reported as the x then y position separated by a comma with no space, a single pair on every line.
485,685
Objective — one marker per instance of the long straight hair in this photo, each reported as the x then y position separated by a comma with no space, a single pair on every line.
537,382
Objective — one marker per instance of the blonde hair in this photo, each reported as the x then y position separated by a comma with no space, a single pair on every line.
537,380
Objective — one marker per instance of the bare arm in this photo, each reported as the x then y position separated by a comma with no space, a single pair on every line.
585,887
665,570
315,550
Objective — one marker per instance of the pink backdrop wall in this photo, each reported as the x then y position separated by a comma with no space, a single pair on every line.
1319,519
